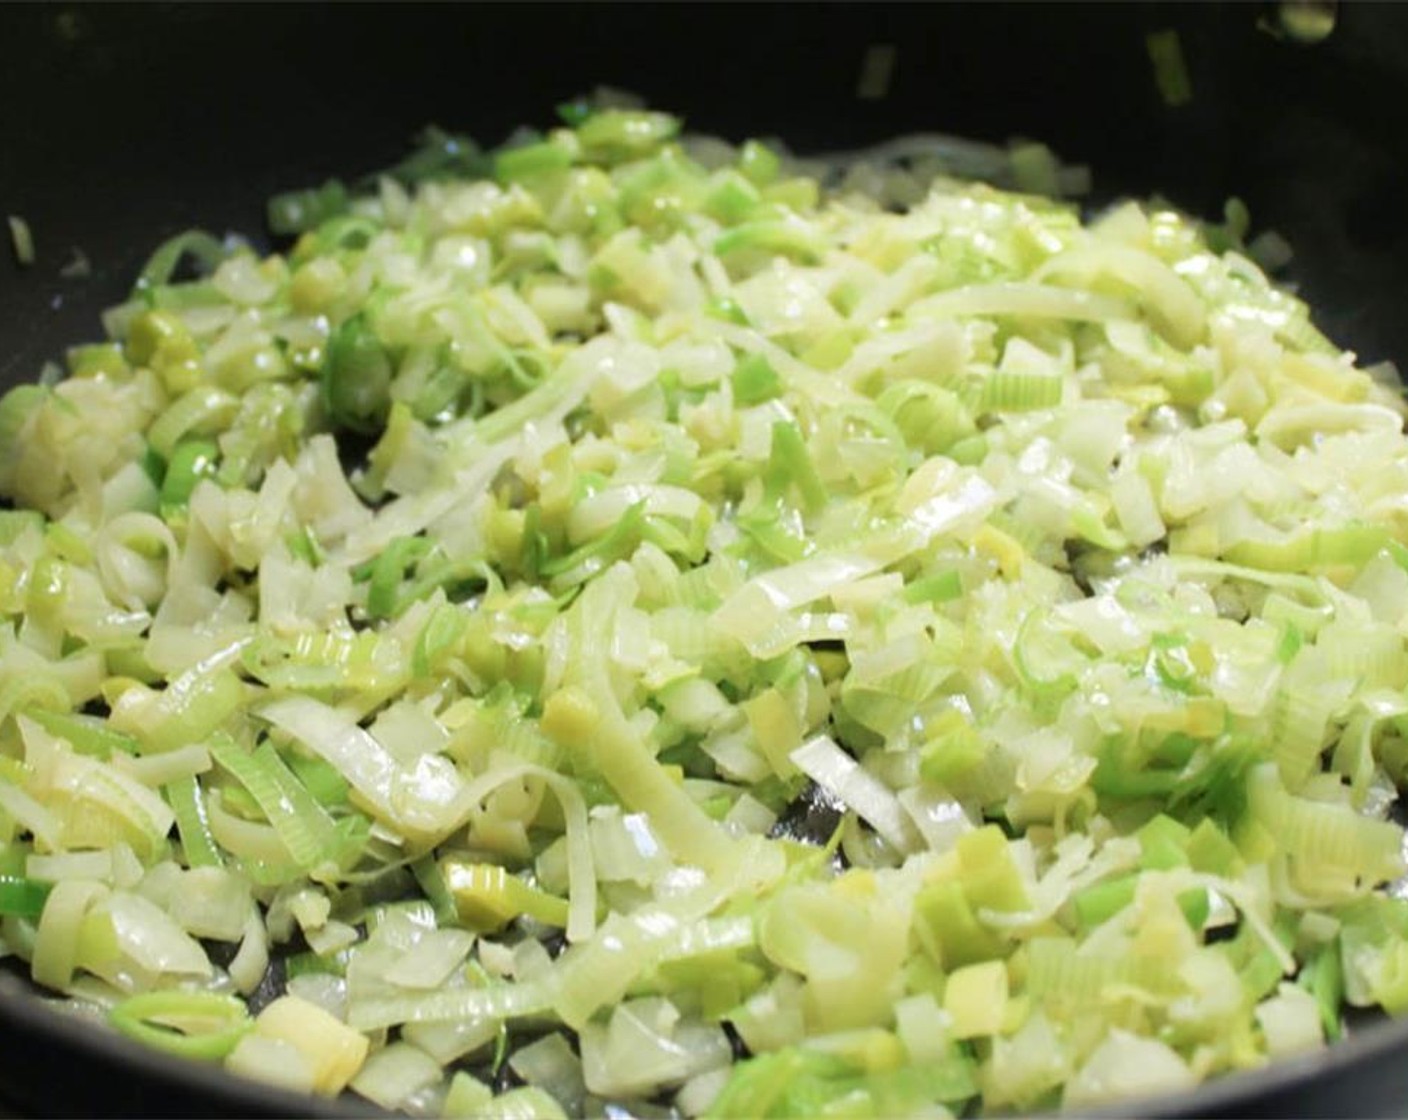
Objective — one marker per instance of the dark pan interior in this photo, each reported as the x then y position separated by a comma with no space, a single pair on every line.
121,125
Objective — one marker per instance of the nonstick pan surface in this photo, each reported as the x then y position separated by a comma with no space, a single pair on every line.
122,125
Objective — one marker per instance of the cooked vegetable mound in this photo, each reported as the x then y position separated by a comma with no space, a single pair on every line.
629,620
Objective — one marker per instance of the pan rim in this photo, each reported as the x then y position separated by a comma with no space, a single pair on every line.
23,1008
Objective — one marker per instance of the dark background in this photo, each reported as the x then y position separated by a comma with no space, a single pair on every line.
120,125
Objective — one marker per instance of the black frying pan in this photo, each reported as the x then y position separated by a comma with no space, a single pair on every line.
122,125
